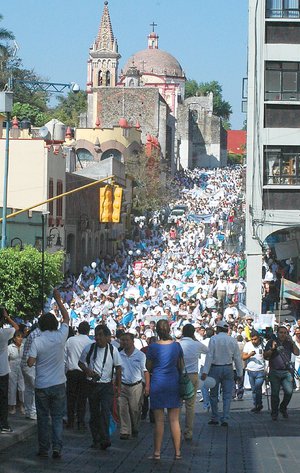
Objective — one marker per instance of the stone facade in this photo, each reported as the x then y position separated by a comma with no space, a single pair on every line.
201,137
144,106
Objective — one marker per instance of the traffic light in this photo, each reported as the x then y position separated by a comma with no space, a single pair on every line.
117,204
106,204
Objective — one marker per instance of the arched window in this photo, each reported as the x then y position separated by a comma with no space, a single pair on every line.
112,153
84,155
99,78
107,78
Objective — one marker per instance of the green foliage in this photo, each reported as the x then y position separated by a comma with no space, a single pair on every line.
25,110
70,107
220,106
235,158
149,191
20,279
5,36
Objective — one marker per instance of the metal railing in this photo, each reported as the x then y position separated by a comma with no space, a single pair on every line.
283,13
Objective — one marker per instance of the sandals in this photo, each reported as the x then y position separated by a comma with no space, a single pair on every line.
155,457
178,457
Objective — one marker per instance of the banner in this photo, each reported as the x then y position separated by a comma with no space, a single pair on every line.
262,321
289,290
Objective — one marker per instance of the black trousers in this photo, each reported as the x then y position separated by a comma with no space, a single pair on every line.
76,396
3,401
100,397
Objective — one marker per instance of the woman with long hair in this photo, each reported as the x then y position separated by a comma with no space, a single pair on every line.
165,361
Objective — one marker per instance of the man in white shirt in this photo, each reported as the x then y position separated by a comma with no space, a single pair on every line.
192,350
231,312
47,354
223,350
98,362
253,353
5,335
133,364
76,379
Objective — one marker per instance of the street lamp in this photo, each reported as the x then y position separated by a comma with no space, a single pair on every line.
6,105
44,218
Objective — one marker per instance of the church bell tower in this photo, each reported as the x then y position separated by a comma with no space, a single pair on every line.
103,56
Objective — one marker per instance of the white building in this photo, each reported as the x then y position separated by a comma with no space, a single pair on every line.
273,142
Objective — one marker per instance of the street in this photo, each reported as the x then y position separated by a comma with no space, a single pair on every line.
253,443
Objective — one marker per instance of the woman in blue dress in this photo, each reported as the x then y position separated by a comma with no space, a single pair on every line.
165,361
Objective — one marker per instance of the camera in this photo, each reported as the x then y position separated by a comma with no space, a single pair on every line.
95,378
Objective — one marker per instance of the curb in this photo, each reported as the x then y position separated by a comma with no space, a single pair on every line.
20,433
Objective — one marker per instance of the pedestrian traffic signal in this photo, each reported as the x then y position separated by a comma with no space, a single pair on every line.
117,204
106,204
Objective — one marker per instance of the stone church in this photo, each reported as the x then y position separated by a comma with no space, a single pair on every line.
146,97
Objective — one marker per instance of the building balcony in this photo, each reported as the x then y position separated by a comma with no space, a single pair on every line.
292,12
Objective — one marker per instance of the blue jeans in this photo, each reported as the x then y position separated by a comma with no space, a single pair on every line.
280,378
256,379
224,377
50,402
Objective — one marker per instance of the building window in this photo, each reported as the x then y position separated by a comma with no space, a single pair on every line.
99,78
282,9
50,195
107,78
282,32
59,202
282,81
84,155
282,115
282,165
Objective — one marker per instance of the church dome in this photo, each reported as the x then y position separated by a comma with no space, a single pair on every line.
155,61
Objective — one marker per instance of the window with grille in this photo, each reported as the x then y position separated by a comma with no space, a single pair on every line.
282,165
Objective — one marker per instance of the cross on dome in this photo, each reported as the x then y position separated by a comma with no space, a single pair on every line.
153,26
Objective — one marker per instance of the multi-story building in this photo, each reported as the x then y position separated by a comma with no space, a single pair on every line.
273,141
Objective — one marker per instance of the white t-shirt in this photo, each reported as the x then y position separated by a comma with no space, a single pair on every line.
256,362
105,372
73,350
48,349
5,335
192,350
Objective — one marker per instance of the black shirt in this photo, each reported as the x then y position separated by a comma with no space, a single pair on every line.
281,357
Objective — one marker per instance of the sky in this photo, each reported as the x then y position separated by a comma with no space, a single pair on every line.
207,37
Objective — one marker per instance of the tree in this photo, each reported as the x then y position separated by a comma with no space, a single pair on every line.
150,193
20,279
5,36
70,108
34,114
220,106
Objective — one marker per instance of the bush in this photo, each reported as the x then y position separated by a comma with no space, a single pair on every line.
20,279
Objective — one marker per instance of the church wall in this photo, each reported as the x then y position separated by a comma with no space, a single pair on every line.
135,104
202,138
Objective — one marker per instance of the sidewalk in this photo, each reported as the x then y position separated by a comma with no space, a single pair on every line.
252,443
22,429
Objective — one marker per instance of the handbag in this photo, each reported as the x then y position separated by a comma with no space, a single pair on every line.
186,388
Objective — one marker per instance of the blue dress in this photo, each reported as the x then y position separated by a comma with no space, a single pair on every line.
164,387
